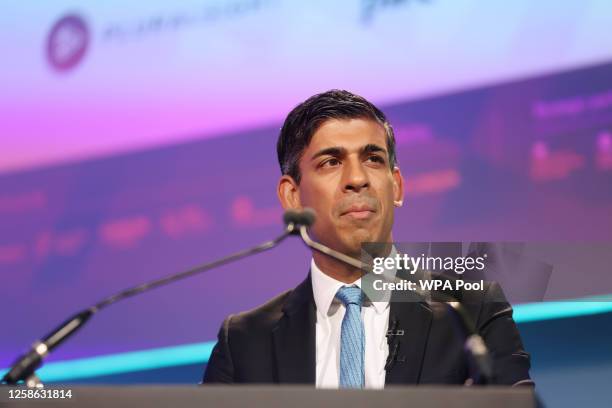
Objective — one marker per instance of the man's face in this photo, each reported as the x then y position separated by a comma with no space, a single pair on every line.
346,179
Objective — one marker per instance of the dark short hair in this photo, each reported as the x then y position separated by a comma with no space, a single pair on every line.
304,120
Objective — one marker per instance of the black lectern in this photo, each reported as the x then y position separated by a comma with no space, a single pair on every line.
283,396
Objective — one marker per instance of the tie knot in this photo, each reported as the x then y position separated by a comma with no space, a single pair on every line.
350,295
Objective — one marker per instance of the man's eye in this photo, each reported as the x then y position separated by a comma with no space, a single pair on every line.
330,163
376,159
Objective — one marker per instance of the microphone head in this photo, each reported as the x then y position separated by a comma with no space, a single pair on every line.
306,217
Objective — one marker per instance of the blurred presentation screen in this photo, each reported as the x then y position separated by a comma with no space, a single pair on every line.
137,140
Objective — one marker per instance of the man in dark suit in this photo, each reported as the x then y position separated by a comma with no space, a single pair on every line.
336,151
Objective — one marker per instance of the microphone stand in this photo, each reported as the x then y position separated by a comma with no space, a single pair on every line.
25,366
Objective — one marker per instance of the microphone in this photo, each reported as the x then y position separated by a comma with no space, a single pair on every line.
295,218
474,345
25,366
298,221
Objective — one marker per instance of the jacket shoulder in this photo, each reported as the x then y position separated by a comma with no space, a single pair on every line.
261,317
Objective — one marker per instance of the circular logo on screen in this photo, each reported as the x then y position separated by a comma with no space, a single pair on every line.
67,42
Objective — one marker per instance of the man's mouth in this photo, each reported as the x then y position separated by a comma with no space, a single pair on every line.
358,212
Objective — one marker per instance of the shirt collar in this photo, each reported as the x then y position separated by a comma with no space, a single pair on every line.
324,288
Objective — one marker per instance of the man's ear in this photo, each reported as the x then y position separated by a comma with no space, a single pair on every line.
288,193
398,187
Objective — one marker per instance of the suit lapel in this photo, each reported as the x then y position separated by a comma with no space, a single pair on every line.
294,337
414,320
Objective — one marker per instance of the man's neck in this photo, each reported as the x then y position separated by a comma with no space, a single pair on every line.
338,270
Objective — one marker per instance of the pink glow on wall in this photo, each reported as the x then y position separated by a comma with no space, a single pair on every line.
126,232
23,202
604,151
12,253
245,214
547,165
411,133
184,221
64,243
433,182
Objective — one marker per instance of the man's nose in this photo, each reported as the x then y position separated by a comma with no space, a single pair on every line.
355,176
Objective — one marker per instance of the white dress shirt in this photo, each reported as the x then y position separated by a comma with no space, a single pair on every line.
330,312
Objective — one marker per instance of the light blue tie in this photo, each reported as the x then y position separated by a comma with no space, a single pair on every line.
352,339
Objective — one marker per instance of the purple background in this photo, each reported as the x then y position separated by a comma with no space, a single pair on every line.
527,160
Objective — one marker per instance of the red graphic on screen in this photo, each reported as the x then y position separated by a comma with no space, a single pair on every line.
553,165
67,42
126,232
12,253
412,132
433,182
64,243
185,221
32,200
244,213
603,157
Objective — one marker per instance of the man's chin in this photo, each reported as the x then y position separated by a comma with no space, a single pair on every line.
352,243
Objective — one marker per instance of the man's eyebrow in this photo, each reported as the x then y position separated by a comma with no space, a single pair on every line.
330,151
373,148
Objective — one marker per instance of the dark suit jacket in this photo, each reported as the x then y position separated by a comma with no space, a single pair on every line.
275,343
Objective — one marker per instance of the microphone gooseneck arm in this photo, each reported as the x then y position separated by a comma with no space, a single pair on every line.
24,368
328,251
195,270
